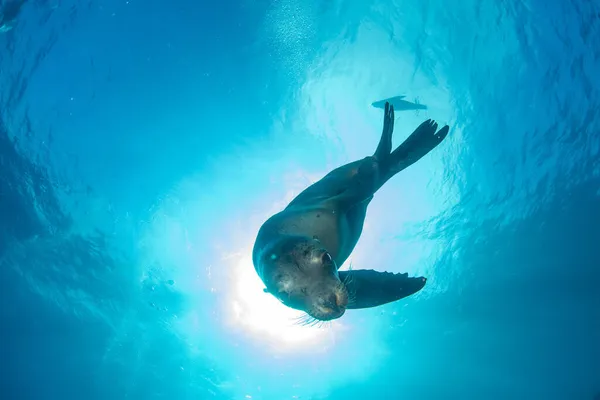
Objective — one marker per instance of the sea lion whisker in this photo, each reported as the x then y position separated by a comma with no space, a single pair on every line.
300,320
304,320
351,297
347,280
307,320
347,285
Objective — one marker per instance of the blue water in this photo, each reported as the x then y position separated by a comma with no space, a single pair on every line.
143,143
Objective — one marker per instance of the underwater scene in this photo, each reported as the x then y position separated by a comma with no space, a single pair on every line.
184,188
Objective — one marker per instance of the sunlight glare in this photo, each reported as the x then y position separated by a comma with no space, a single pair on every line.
262,314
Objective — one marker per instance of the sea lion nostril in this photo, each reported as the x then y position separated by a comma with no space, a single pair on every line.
339,300
333,300
332,303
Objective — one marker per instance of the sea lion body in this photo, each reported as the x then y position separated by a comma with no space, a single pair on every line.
309,214
299,250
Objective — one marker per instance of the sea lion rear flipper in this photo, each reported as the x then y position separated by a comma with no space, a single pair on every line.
384,148
418,144
366,177
368,288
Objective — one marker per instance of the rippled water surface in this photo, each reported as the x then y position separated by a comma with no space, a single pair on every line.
143,143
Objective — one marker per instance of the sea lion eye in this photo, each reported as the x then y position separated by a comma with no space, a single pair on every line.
326,258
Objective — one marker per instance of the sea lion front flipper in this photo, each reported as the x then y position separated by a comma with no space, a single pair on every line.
368,288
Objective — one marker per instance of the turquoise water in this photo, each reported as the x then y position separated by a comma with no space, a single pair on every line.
142,145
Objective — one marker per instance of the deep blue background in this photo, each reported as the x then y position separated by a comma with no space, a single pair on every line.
107,105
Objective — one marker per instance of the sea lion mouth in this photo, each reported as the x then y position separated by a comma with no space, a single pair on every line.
331,307
328,314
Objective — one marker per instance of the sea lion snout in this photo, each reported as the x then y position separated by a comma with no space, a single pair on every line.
330,308
330,304
341,298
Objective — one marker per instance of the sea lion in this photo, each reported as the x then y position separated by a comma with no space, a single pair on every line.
399,104
298,251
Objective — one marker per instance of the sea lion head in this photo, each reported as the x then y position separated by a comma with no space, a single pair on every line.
302,274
